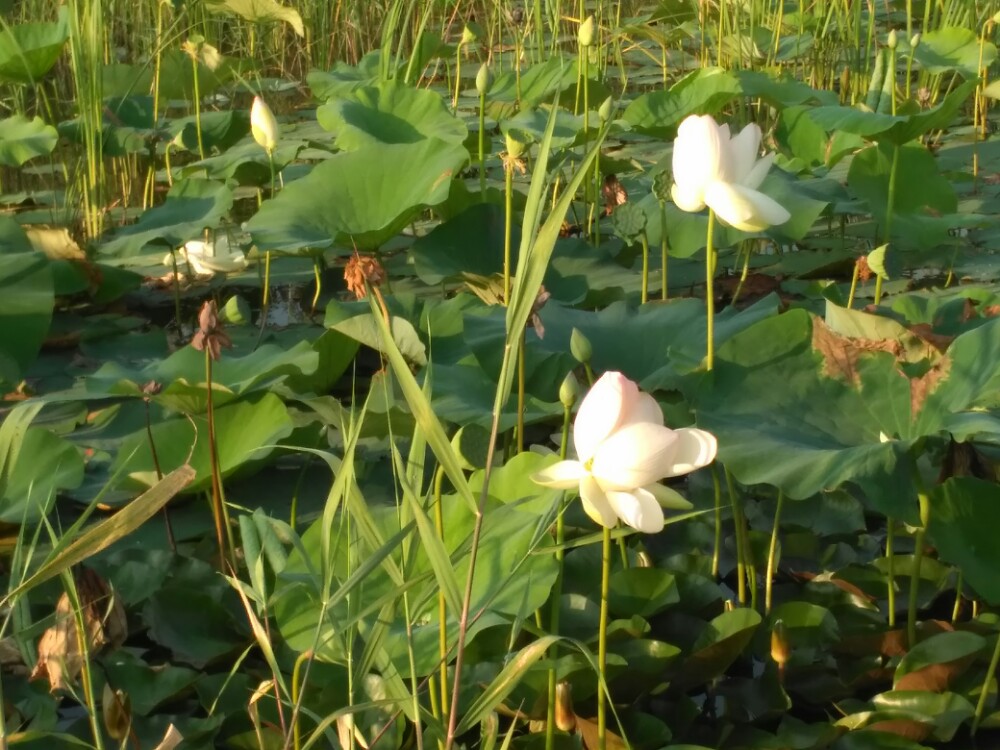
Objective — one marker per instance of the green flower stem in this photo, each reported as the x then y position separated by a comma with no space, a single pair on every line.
602,642
984,692
482,145
710,291
957,608
890,570
223,529
854,285
302,658
645,268
890,206
442,604
197,107
718,522
772,553
458,75
520,395
918,558
664,247
508,224
550,723
741,541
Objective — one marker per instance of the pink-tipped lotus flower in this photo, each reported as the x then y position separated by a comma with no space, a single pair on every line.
722,171
623,449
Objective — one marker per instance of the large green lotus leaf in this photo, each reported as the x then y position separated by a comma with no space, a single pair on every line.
897,129
446,252
344,78
361,327
705,91
22,139
641,591
536,85
245,163
770,396
147,686
529,126
29,50
954,49
719,645
182,375
946,711
244,432
963,514
45,464
13,238
510,581
360,198
943,648
463,394
806,625
191,205
920,187
258,11
673,335
26,288
391,112
219,130
781,91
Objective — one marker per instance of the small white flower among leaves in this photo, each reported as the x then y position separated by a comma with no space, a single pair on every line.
623,450
263,125
722,171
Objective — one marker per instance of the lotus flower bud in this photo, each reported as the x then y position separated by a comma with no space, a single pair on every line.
263,125
484,79
585,35
579,346
469,35
606,109
569,391
892,41
915,41
780,650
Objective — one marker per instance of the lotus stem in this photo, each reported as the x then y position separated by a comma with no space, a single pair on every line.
741,541
918,558
772,553
442,603
710,291
854,284
890,570
223,533
304,657
602,641
984,692
318,275
520,394
957,608
482,145
890,205
664,247
717,486
645,267
508,224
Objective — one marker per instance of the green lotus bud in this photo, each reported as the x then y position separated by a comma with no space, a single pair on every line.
605,110
515,146
569,391
892,41
484,79
996,17
915,41
585,36
469,35
579,346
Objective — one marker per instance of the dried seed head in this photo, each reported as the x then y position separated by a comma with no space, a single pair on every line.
362,269
865,272
565,715
210,334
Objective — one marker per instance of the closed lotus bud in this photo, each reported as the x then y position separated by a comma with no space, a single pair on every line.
585,36
996,17
484,79
643,560
892,41
469,35
915,41
515,147
780,650
569,391
579,346
263,125
565,716
607,107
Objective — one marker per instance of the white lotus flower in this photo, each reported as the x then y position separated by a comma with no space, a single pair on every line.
714,169
623,449
207,258
263,125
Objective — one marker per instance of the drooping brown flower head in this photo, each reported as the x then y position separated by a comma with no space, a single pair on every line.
210,333
614,194
361,269
864,270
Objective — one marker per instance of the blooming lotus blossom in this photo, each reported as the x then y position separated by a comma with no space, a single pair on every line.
207,258
623,449
715,169
263,125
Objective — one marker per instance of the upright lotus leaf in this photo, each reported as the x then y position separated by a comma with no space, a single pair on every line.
839,408
964,512
954,49
29,50
219,130
719,645
358,198
22,139
245,432
13,239
946,712
344,78
258,11
26,288
537,84
446,253
781,91
898,129
920,186
529,125
182,375
390,112
705,91
44,465
191,205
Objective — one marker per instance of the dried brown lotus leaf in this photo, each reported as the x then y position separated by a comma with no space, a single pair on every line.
116,709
